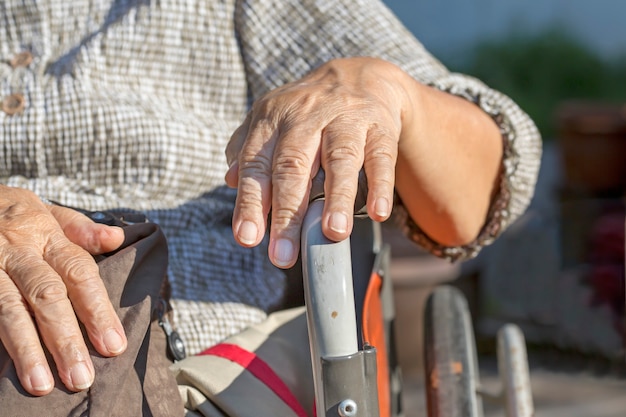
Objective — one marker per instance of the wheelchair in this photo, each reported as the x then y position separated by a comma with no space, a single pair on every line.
355,368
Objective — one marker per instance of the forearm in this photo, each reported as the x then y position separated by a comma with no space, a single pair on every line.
449,160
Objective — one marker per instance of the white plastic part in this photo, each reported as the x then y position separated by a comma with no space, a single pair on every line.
329,295
513,368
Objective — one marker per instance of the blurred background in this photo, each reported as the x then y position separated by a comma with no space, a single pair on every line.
559,271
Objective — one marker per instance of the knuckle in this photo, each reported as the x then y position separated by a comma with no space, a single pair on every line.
254,164
292,162
341,194
288,198
346,151
79,270
27,350
341,189
247,201
98,311
382,181
20,259
11,303
75,263
68,346
93,243
286,218
382,153
46,292
382,186
59,248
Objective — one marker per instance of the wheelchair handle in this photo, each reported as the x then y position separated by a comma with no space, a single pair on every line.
344,377
328,289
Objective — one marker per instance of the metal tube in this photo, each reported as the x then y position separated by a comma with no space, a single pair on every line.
329,296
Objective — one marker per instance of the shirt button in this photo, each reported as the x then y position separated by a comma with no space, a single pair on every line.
23,59
13,104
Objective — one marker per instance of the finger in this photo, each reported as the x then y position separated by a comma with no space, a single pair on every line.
254,184
237,140
232,175
46,295
88,295
19,336
232,151
296,161
342,159
93,237
381,152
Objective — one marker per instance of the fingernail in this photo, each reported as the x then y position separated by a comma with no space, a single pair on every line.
113,341
381,207
283,252
338,222
39,379
81,377
247,232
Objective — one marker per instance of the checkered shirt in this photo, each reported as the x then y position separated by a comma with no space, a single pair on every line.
130,103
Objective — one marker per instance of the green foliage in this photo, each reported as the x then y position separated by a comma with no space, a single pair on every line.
541,71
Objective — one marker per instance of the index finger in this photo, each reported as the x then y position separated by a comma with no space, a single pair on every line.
232,150
88,295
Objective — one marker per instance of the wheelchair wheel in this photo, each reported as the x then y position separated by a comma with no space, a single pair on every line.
451,365
514,373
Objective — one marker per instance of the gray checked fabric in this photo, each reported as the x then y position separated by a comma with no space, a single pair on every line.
130,103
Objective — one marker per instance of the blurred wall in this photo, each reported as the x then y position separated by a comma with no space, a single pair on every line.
449,28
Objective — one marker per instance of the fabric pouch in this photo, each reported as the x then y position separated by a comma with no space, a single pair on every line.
263,371
138,382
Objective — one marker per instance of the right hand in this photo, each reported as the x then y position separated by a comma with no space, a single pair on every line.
49,281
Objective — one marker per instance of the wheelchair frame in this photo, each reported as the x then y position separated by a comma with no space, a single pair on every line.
344,369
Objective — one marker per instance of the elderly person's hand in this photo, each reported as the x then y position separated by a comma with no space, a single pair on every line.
48,279
356,113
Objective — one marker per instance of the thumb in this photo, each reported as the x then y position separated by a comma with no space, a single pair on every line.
79,229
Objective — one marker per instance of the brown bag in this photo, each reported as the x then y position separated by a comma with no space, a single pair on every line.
138,382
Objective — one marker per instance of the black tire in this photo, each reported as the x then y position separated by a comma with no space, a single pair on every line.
451,365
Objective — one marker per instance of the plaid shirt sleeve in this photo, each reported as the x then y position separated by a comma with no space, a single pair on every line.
282,40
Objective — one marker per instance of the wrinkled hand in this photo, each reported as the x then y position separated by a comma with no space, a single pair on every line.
344,116
48,279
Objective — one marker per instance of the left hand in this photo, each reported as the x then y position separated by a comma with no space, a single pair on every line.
344,116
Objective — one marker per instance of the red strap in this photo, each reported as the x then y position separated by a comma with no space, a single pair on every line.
260,369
